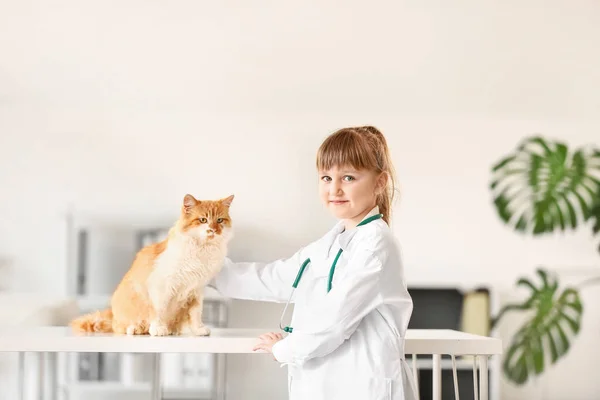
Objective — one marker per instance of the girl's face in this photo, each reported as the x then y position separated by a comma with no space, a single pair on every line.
348,193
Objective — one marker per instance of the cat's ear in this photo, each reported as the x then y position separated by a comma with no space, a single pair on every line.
227,201
189,201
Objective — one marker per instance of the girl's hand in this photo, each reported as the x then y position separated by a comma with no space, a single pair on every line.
267,341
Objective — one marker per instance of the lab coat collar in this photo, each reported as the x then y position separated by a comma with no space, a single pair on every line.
321,268
346,236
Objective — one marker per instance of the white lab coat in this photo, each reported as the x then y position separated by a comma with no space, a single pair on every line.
348,343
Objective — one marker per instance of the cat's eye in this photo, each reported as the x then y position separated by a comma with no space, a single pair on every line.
220,221
203,220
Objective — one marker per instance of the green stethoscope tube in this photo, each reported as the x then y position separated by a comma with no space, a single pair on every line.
289,329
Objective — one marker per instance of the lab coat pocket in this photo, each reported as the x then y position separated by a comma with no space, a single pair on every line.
316,288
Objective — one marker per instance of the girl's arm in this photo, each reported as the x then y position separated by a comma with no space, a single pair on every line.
259,281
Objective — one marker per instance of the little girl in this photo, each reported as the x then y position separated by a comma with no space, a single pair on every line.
351,305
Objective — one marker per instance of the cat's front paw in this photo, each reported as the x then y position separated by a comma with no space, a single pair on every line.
157,329
201,330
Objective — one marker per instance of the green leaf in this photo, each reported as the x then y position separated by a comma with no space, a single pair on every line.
521,224
557,213
553,349
594,215
556,320
543,186
538,355
503,162
585,208
502,206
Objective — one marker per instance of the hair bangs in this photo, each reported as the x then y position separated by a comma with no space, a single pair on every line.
346,148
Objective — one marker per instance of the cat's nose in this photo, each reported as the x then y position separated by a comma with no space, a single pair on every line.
210,231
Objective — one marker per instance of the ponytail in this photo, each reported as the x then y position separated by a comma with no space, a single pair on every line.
384,165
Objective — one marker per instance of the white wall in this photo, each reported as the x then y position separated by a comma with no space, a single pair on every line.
120,108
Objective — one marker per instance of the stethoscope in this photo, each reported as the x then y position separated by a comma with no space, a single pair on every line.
289,329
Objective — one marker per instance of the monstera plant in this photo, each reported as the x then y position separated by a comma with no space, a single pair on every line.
541,188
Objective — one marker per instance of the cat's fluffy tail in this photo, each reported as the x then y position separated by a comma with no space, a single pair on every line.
99,321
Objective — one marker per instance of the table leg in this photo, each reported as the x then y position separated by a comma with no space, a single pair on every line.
220,370
50,377
127,369
436,374
40,359
455,377
63,375
21,384
156,389
220,358
475,391
415,370
483,377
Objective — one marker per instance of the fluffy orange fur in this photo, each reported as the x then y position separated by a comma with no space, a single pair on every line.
162,293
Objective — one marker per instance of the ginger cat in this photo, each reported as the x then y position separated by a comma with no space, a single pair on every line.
162,293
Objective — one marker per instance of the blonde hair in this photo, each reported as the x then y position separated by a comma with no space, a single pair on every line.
362,147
